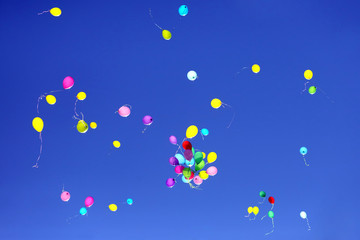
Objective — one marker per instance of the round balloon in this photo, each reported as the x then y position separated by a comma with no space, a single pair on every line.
83,211
89,201
173,161
216,103
38,124
188,154
255,210
173,140
187,145
271,214
204,132
81,96
170,182
183,10
250,210
271,200
204,155
50,99
191,131
147,120
212,171
116,144
129,201
303,150
262,194
312,90
180,158
82,126
192,75
212,157
200,165
186,172
124,111
203,175
185,180
197,180
68,82
93,125
65,196
179,169
113,207
166,34
303,215
56,12
308,74
190,163
255,68
198,157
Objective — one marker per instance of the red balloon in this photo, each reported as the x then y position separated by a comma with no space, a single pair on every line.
187,145
191,176
271,200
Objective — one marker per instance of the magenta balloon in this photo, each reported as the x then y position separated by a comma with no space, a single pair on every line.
173,140
124,111
68,83
173,161
147,120
188,155
212,171
170,182
198,180
179,169
65,196
89,201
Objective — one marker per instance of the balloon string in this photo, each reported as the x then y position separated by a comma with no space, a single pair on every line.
75,107
262,201
272,206
305,162
263,217
247,215
180,146
272,220
36,164
326,95
154,20
144,129
202,136
224,104
38,102
304,87
43,12
309,228
128,105
252,219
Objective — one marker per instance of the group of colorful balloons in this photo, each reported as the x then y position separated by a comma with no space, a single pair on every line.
113,207
89,201
82,126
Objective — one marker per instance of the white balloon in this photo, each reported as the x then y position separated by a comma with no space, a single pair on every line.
192,75
303,215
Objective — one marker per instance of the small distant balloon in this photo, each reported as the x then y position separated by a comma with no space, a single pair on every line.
93,125
192,75
204,132
173,140
255,210
255,68
38,124
129,201
271,200
180,158
170,182
188,154
56,12
82,126
179,169
83,211
197,180
303,150
116,144
203,175
113,207
124,111
303,215
50,99
211,157
81,96
312,90
216,103
271,214
89,201
308,74
191,131
183,10
262,194
187,145
68,83
173,161
166,34
65,196
212,171
147,120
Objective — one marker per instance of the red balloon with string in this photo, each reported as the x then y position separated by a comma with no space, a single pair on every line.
271,200
187,145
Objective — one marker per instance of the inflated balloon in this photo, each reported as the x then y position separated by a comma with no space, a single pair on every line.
197,180
312,90
68,83
124,111
113,207
204,132
255,68
255,210
198,157
56,12
180,158
173,161
303,215
185,180
173,140
203,175
200,165
271,200
93,125
183,10
190,163
89,201
83,211
129,201
308,74
188,155
50,99
212,157
186,172
179,169
250,210
303,151
191,131
192,75
147,120
262,194
82,126
38,124
187,145
204,155
212,171
166,34
65,196
81,96
271,214
216,103
170,182
116,144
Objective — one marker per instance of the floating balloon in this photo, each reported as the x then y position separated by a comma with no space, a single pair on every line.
185,180
81,96
255,68
173,161
170,182
303,151
93,125
186,172
147,120
250,210
204,155
197,180
113,207
212,157
263,195
83,211
180,158
89,201
271,215
190,163
303,215
183,10
198,157
308,74
124,111
56,12
68,83
65,196
212,171
204,132
192,75
200,166
179,169
203,175
173,140
255,210
82,126
166,34
38,124
116,144
312,90
188,155
187,145
271,200
216,103
129,201
50,99
191,131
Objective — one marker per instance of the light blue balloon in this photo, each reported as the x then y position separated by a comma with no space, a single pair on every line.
183,10
190,163
180,158
83,211
303,150
185,180
129,201
205,132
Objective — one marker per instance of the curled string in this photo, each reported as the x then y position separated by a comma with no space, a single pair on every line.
272,220
43,12
152,18
326,95
224,104
305,162
144,129
304,87
309,228
262,201
42,96
193,187
247,215
37,161
79,116
252,219
75,107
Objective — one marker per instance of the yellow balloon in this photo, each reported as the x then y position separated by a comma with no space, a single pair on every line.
212,157
204,155
216,103
38,124
93,125
82,126
308,74
203,175
56,12
255,68
191,131
113,207
250,210
81,96
50,99
116,144
166,34
255,210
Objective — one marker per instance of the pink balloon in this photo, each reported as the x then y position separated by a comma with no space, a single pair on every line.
173,140
124,111
179,169
65,196
212,171
89,201
198,180
68,83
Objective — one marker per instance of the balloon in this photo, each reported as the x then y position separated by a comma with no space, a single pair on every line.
250,210
173,161
89,201
179,169
93,125
183,10
203,175
200,165
198,157
255,210
188,155
271,200
212,171
81,96
192,75
50,99
303,150
38,124
116,144
124,111
193,151
255,68
212,157
190,163
186,172
82,126
216,103
147,120
180,158
56,12
68,83
129,201
83,211
308,74
205,132
173,140
191,175
166,34
271,214
170,182
187,145
262,194
204,155
191,131
303,215
312,90
185,180
65,196
113,207
198,180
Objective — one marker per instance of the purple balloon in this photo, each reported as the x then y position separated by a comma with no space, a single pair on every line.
147,120
170,182
174,161
188,155
173,140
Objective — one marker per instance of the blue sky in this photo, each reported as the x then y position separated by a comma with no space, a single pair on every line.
117,56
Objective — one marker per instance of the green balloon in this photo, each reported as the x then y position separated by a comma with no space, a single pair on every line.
198,157
262,194
271,214
82,126
187,172
312,90
200,166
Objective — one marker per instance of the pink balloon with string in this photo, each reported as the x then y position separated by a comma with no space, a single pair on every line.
65,196
124,111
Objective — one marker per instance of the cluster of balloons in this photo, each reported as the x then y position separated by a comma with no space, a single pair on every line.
308,75
303,151
113,207
56,12
89,201
254,210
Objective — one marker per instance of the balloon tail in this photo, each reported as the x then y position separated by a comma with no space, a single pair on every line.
43,12
262,201
272,207
272,220
144,129
304,87
75,108
326,95
152,18
263,217
307,221
305,162
38,102
247,215
252,219
179,148
193,187
202,136
233,117
37,160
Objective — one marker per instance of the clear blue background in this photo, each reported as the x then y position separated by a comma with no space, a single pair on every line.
117,56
